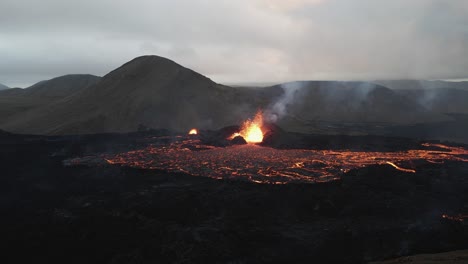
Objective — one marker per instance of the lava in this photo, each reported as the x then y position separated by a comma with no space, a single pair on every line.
457,218
260,164
193,131
251,130
400,168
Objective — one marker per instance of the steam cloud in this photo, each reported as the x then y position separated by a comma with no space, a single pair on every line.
280,108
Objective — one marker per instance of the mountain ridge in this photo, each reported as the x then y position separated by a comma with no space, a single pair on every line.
148,90
60,86
156,92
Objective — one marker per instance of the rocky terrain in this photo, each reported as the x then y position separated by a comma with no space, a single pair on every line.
453,257
118,214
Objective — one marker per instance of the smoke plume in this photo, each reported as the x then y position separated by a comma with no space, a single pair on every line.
279,109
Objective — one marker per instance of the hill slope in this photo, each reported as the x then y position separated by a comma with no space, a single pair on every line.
57,87
352,102
421,84
3,87
149,90
156,92
442,100
61,86
16,101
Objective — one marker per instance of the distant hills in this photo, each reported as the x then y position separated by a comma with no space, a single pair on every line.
150,91
356,102
442,100
15,101
61,86
3,87
421,84
438,96
57,87
155,92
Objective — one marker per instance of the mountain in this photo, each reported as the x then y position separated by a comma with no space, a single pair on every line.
421,84
12,92
151,91
57,87
155,92
3,87
12,106
15,101
61,86
351,102
441,100
438,96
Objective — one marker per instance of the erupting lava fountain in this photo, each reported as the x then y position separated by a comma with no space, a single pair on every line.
251,130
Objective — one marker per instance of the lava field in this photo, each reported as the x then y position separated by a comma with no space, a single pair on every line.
263,164
157,197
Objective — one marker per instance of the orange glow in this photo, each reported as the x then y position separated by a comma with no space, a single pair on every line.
193,131
400,168
458,218
268,165
251,130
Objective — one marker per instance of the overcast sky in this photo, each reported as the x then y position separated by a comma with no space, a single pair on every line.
235,41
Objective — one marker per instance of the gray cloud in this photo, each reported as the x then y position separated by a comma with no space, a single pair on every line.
237,41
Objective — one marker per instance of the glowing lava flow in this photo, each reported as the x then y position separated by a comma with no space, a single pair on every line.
268,165
251,130
458,218
400,168
193,131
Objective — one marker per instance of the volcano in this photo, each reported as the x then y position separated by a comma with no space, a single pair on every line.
155,92
216,171
148,91
251,130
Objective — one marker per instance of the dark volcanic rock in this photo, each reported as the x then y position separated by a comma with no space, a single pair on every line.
220,137
238,141
113,214
278,138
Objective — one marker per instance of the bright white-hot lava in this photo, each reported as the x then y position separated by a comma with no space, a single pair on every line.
193,131
251,130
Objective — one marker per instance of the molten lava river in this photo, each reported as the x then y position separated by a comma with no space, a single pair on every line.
255,163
